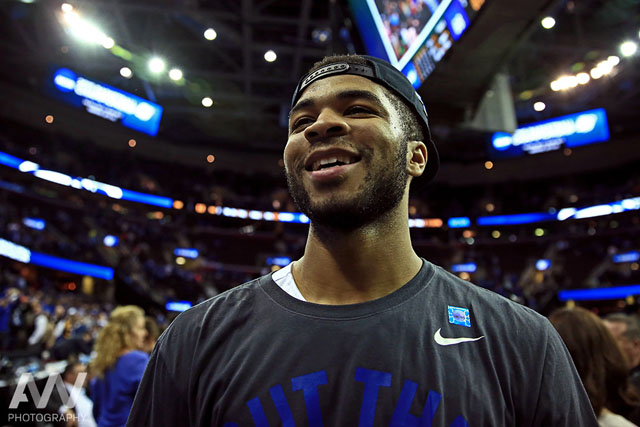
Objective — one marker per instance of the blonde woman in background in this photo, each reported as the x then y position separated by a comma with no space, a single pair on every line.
118,365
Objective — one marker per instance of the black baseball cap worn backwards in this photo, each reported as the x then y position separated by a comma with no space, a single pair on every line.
383,73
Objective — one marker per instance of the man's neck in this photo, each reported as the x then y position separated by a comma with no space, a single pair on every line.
357,266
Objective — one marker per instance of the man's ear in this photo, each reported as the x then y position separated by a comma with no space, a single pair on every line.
416,158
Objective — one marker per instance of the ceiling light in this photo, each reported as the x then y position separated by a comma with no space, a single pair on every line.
596,73
605,67
539,106
126,72
548,22
156,65
564,83
108,42
569,81
613,60
66,7
320,35
207,102
270,56
628,48
583,78
71,17
175,74
83,30
210,34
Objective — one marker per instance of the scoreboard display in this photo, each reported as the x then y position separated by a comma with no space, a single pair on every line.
413,35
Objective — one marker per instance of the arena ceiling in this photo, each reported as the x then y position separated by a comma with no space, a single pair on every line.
251,96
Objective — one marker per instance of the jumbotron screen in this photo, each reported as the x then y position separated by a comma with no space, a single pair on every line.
413,35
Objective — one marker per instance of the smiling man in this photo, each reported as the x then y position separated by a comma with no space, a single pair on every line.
360,330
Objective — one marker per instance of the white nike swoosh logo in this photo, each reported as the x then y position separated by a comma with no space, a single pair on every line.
439,339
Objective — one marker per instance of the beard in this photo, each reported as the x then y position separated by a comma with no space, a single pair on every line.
381,191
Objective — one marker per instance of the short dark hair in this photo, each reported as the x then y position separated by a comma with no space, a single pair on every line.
72,362
411,127
633,326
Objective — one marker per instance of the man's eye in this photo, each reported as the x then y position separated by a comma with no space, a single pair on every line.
301,122
357,109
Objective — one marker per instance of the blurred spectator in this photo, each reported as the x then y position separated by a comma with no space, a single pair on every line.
625,329
21,323
7,302
83,409
59,321
153,332
80,343
601,366
40,323
118,366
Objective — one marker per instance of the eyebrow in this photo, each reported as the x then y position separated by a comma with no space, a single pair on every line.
347,94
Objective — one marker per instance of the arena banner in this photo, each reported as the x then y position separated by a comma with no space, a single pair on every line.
105,101
569,131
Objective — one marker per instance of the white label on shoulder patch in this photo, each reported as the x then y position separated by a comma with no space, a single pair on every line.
340,67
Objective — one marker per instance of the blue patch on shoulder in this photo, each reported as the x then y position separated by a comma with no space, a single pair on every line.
459,316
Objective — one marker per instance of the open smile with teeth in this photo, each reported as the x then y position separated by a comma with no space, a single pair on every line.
330,162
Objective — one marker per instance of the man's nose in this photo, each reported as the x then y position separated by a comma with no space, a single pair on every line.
328,124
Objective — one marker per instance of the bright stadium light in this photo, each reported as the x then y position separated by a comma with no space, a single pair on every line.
126,72
210,34
539,106
207,102
270,56
596,73
583,78
548,22
613,60
628,48
175,74
156,65
108,43
71,17
605,67
86,31
564,83
571,81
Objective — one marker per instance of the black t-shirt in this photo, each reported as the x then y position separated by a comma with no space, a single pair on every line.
438,351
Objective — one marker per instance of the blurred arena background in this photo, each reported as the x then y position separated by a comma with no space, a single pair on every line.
141,150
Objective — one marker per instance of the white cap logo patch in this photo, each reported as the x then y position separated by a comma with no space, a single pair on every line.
324,71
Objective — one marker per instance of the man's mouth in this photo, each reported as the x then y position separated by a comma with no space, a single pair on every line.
332,161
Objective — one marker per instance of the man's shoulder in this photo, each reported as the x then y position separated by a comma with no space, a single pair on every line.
487,305
214,312
238,295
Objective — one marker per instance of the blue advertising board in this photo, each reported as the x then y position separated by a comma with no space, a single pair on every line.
568,131
106,101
